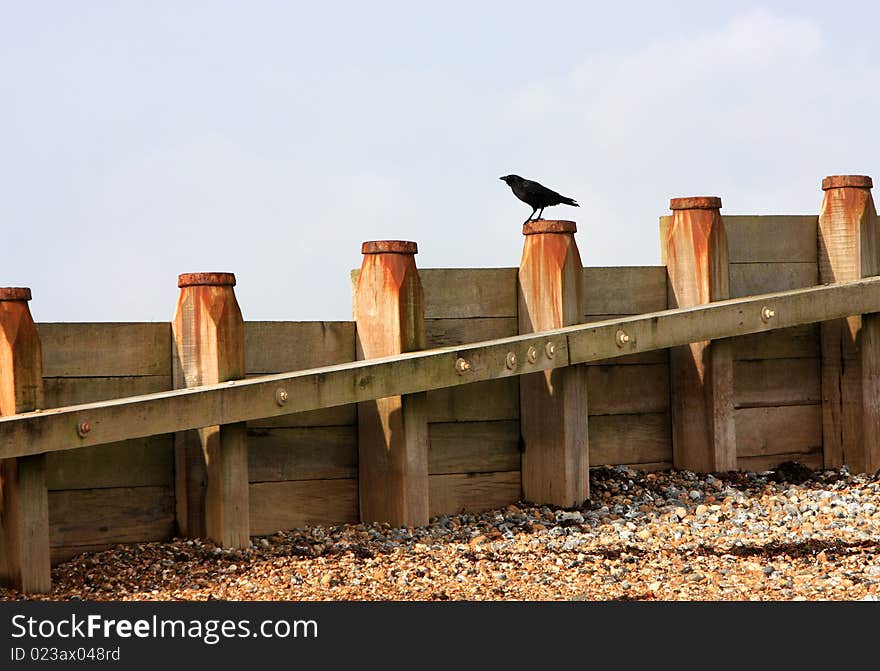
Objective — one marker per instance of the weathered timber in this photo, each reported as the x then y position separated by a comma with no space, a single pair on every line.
299,503
392,431
624,290
473,492
798,342
767,462
630,439
778,430
211,463
445,332
553,403
776,382
24,511
272,347
139,462
255,398
701,373
621,390
313,453
748,279
474,447
481,401
849,249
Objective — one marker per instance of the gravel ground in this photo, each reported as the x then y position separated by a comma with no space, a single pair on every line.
788,534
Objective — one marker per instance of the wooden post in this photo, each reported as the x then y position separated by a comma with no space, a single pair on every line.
703,434
553,403
392,432
848,250
24,502
211,465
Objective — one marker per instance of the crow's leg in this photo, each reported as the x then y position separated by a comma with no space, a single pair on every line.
541,214
531,215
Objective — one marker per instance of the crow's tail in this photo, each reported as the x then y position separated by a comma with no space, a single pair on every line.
569,201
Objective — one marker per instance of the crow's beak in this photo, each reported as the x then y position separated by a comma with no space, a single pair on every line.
501,178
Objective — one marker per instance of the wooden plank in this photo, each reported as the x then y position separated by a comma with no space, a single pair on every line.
652,467
772,238
799,342
295,504
776,382
779,430
630,439
621,390
553,404
61,391
749,279
489,400
473,492
165,412
701,373
770,461
275,347
341,415
106,349
446,332
474,447
139,462
469,292
316,453
665,225
110,516
210,464
392,431
624,290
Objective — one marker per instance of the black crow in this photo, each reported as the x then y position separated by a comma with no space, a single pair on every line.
536,195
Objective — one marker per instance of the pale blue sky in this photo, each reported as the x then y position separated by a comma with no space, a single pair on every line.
139,140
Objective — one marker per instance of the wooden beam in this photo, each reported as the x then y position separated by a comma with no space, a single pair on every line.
341,384
849,249
701,373
211,463
392,431
25,559
553,403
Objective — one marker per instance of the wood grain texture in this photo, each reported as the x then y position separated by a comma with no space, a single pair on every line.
139,462
487,401
553,404
780,430
783,238
750,279
109,516
446,332
634,389
295,504
630,439
469,292
799,342
624,290
275,347
776,382
61,391
313,453
106,349
473,492
768,462
474,447
340,415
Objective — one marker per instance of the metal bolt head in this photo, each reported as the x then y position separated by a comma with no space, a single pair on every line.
532,355
281,396
767,313
462,365
83,428
621,338
510,360
550,349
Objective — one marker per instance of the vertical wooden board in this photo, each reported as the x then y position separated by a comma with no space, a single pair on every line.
473,492
278,347
750,279
314,453
105,349
110,516
778,430
450,332
473,447
665,223
479,401
139,462
633,389
630,439
798,342
776,382
624,290
277,506
469,292
772,238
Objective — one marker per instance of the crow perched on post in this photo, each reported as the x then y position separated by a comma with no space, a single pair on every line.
536,195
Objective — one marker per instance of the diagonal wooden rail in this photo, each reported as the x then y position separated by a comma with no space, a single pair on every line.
285,393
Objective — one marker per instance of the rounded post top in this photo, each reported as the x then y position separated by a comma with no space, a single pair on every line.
549,226
389,247
695,203
840,181
15,294
206,279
